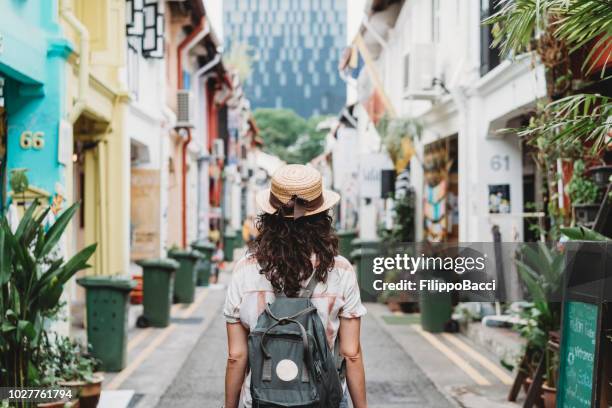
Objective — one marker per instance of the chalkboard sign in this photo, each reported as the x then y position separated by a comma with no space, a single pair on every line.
578,351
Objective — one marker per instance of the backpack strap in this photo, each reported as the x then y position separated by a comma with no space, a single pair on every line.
308,291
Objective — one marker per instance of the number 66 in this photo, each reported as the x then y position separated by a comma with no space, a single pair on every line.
29,140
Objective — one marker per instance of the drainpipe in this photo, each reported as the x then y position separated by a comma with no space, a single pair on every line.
200,81
79,27
184,186
198,33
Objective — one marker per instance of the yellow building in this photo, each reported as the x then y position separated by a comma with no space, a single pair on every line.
93,128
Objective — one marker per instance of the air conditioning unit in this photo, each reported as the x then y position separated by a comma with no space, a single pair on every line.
185,111
218,149
420,71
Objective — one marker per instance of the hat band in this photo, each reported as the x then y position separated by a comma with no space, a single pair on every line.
296,206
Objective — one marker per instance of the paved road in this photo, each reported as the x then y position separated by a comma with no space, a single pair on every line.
394,380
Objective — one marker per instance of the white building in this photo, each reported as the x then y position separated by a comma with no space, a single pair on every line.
433,62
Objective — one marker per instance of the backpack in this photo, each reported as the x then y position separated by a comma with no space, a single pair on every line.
290,360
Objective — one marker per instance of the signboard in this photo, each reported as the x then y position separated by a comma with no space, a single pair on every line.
578,351
371,166
145,215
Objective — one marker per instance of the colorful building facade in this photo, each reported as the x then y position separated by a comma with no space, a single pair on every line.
34,152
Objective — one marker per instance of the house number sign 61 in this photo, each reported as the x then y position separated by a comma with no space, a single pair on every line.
500,162
32,140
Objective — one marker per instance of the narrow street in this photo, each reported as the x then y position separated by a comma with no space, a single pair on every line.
394,380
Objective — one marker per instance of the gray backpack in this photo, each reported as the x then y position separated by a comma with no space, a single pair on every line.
290,361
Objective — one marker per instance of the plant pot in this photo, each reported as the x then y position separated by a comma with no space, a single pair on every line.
88,392
600,175
549,396
586,213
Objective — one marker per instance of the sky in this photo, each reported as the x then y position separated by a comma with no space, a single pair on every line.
214,8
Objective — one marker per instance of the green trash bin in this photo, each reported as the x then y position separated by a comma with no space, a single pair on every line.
185,278
436,309
239,240
229,243
364,261
345,237
204,264
158,289
107,318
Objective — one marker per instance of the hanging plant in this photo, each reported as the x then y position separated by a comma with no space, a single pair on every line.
398,136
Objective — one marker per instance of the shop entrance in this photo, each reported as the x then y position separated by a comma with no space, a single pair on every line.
441,211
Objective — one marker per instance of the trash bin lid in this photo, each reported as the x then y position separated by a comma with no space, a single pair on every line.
159,263
184,253
123,283
203,245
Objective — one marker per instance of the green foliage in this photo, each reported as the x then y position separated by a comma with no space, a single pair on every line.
18,180
31,283
63,360
571,121
403,220
289,136
583,234
540,269
392,131
580,189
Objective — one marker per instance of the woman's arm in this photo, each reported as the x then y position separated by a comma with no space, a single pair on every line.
350,348
237,360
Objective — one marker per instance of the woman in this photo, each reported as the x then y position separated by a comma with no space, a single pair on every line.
296,241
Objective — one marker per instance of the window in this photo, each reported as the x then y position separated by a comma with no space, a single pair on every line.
489,57
406,71
435,21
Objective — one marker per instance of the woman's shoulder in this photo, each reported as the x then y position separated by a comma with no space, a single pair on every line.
245,264
342,264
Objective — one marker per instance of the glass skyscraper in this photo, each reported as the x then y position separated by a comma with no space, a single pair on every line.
295,45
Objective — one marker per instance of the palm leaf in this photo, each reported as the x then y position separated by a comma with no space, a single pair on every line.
57,229
26,222
61,275
583,234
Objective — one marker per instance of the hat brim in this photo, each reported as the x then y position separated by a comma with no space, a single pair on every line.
330,198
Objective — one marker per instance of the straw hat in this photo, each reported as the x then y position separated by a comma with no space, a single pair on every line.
298,191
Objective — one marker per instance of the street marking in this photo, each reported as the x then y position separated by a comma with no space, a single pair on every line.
503,376
192,307
144,354
452,356
138,338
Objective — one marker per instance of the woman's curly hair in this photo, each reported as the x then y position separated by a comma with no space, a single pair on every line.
284,246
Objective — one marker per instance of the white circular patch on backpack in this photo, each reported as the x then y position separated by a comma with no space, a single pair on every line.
286,370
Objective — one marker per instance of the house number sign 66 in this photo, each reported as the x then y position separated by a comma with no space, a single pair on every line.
32,140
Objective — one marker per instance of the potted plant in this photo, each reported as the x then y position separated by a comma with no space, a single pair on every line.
584,194
540,269
76,371
32,280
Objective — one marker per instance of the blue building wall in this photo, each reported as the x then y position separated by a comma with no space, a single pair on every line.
32,64
296,45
